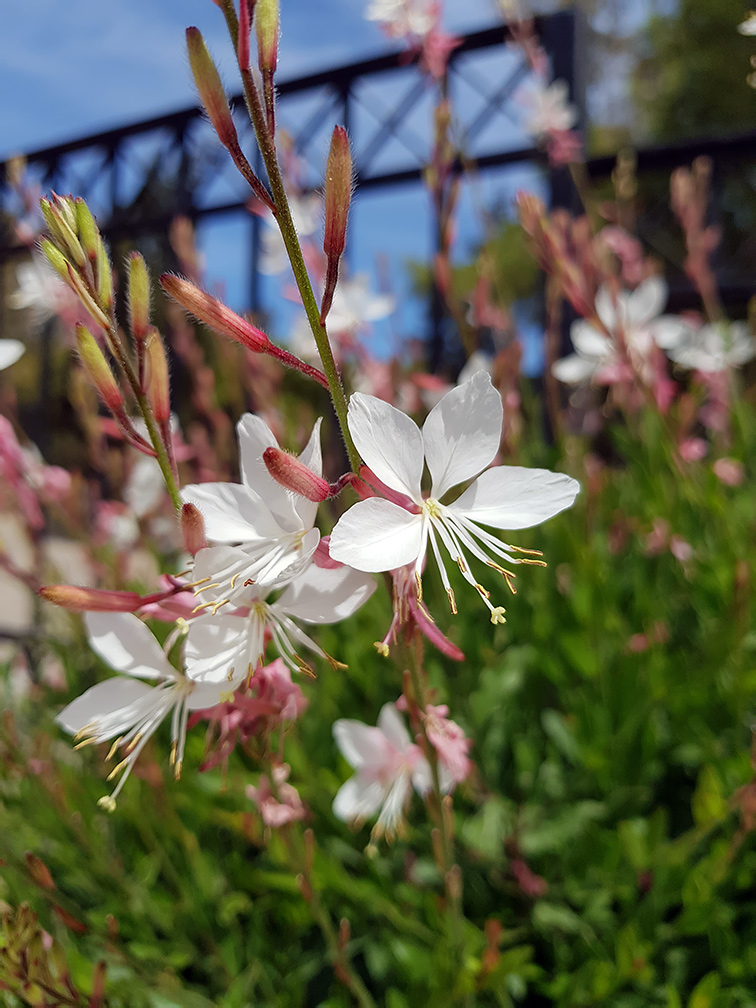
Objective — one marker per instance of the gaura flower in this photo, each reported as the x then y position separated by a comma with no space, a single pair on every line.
126,708
275,526
715,347
354,305
280,803
459,439
388,764
550,110
634,318
314,595
403,17
10,351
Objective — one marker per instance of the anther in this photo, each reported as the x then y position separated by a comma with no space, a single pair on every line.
521,549
461,564
483,591
112,750
452,603
230,674
248,582
303,666
382,648
534,563
419,584
108,803
510,581
234,580
117,769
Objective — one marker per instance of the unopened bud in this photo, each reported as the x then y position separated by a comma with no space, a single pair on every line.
266,23
294,475
139,296
193,525
55,257
64,206
98,369
158,382
89,235
91,599
210,89
245,29
77,284
62,231
338,193
214,313
104,279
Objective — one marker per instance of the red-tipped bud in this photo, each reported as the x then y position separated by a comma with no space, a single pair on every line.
266,23
245,29
210,89
98,369
139,296
91,599
338,193
294,475
61,226
158,385
214,313
192,522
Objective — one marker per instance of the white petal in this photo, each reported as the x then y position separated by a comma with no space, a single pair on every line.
126,644
360,744
207,695
477,361
232,512
513,497
589,342
389,442
101,700
10,351
312,457
646,301
379,307
670,331
422,776
359,798
215,650
254,437
607,308
394,802
462,433
376,535
573,369
392,725
327,595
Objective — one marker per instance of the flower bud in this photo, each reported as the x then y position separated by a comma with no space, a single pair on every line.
104,278
338,193
91,599
158,383
210,89
294,475
98,369
245,28
55,257
139,296
39,872
86,227
193,524
62,232
266,23
215,314
77,284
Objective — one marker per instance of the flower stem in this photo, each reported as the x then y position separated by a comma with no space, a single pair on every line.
266,143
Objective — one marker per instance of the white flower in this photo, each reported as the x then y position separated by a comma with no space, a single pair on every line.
305,214
459,439
748,27
550,112
635,318
403,17
126,708
10,351
715,347
354,305
314,595
275,525
388,764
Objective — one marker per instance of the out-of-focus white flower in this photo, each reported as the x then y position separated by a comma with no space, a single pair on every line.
633,317
403,17
275,525
387,765
748,27
459,439
305,213
312,595
549,110
126,708
10,351
40,290
145,487
715,347
354,306
478,360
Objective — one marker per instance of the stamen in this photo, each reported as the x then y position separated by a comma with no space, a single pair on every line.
85,730
230,674
483,591
382,648
419,584
303,666
107,802
174,749
452,603
234,579
335,665
521,549
113,748
534,563
85,742
117,768
205,587
510,579
248,582
497,615
461,564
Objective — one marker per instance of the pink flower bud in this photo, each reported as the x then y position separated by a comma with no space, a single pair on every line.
98,369
338,193
192,529
266,23
214,313
294,475
245,27
210,89
158,383
139,296
91,599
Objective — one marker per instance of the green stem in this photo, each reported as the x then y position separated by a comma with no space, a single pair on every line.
266,143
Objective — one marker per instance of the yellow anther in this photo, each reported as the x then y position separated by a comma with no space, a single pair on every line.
419,584
134,742
230,674
174,750
483,591
510,581
234,580
335,665
177,770
497,615
534,563
219,605
382,648
248,582
303,666
198,591
521,549
433,508
461,564
112,750
452,602
117,769
85,742
85,730
227,696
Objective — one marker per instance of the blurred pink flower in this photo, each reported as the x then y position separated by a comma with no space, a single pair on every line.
693,449
729,471
278,803
449,741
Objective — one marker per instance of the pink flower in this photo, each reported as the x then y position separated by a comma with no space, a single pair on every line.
278,803
449,741
693,449
729,471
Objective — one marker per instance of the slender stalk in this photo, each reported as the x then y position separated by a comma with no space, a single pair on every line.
266,143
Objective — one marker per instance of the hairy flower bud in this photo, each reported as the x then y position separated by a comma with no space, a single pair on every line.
89,234
266,23
158,386
61,227
91,599
104,279
98,369
210,89
246,10
193,526
214,313
139,296
55,257
294,475
338,193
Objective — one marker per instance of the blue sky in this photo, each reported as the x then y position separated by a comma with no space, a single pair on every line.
72,69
